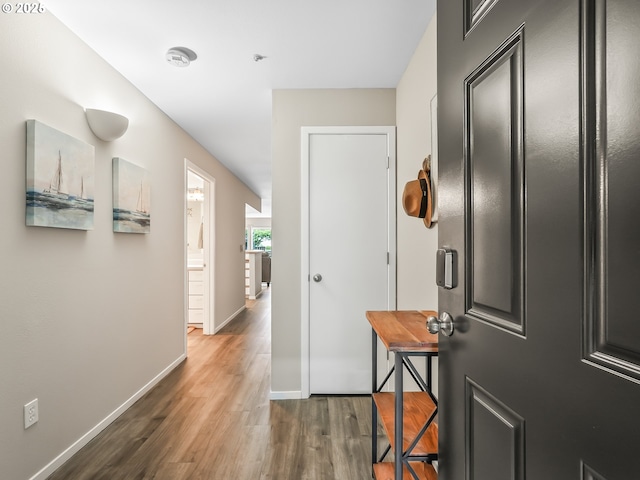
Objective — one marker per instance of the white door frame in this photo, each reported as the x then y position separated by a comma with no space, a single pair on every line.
208,322
306,133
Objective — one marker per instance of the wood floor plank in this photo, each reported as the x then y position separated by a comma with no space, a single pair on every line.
212,419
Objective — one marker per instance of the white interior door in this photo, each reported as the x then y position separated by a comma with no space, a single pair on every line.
351,242
208,325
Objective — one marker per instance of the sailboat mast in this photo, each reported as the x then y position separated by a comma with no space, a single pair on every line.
58,176
55,185
141,206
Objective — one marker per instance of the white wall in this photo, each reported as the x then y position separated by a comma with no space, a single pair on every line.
87,319
293,109
417,245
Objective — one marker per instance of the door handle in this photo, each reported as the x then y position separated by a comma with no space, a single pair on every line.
317,277
444,324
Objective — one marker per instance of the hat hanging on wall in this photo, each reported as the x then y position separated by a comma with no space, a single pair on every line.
417,196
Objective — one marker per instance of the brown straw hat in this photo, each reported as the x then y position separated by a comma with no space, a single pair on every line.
416,198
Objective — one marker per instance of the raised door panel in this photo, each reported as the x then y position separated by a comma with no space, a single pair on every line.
611,150
494,187
475,11
589,474
495,443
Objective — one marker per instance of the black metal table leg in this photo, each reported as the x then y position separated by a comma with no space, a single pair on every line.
374,409
399,425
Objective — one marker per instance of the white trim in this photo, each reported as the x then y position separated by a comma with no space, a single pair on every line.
304,262
230,318
208,327
185,256
306,132
255,297
293,395
91,434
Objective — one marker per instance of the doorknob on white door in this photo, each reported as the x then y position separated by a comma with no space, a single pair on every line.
444,325
317,277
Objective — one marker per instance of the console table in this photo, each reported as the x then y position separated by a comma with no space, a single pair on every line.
407,417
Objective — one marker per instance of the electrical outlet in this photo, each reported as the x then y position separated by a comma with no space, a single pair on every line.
30,413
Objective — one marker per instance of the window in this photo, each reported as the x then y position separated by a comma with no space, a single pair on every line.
261,238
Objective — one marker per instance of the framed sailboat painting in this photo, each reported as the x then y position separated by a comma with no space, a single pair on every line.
131,198
60,179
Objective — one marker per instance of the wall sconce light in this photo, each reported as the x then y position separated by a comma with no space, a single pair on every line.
106,126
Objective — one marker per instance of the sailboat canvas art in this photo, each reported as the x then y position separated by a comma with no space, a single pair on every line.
60,179
131,198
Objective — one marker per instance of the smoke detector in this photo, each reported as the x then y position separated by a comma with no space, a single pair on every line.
180,56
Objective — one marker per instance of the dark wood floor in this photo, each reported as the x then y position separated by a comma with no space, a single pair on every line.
211,418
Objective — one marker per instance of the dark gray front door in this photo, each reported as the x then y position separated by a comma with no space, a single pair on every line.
539,150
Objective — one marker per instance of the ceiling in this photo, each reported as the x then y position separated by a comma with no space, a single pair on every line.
223,99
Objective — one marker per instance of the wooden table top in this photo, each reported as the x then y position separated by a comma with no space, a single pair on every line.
404,331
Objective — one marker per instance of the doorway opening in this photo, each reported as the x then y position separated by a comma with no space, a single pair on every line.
257,252
199,250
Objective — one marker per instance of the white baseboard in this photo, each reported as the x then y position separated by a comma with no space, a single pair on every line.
229,319
294,395
255,297
87,437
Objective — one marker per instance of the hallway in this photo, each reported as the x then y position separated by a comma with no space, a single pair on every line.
211,418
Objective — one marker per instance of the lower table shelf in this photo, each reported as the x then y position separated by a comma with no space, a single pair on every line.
385,471
419,409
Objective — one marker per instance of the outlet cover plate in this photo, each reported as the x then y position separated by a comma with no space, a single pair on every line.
30,413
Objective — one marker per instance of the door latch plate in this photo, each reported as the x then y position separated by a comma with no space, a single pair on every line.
446,268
